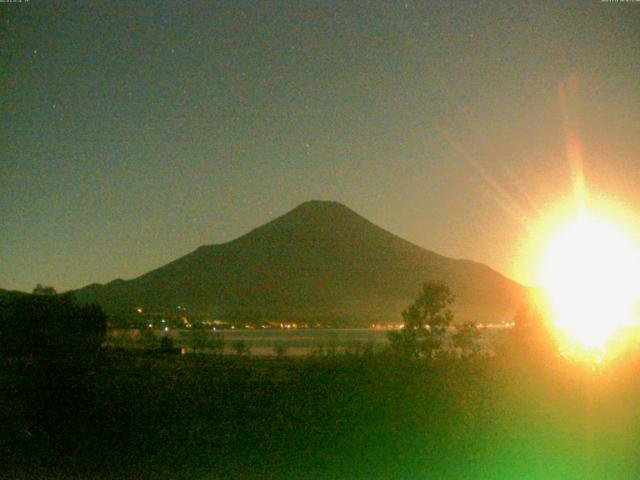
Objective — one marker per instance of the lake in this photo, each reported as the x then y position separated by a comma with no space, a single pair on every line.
301,341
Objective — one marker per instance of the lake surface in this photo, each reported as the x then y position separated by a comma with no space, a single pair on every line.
302,341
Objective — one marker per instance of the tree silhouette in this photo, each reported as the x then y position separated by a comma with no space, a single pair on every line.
530,335
425,322
466,338
40,289
50,324
55,341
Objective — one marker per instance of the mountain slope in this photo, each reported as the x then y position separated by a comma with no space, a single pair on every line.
319,262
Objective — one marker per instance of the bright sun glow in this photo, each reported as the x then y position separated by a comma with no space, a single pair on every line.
591,275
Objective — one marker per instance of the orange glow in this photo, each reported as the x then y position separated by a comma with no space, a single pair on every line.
590,272
587,261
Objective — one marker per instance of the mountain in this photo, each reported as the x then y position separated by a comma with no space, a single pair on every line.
320,262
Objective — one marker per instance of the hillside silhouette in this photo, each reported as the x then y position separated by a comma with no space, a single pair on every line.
10,294
319,263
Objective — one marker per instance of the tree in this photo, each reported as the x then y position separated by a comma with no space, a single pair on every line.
530,335
50,324
466,338
54,340
42,290
425,322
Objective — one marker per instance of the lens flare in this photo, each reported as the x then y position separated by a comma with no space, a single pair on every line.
591,275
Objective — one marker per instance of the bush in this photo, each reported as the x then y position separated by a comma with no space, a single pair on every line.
148,338
240,347
53,340
199,340
217,343
280,349
167,343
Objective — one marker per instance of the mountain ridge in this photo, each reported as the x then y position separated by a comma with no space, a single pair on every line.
320,262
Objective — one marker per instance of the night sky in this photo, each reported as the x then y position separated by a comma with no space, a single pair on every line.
132,133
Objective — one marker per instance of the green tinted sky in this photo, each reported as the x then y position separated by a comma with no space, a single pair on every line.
132,133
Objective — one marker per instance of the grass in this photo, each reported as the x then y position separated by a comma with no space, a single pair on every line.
127,415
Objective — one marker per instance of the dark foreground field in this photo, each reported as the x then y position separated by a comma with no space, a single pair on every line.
124,415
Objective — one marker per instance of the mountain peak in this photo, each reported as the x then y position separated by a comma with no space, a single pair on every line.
320,262
314,217
320,207
315,204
